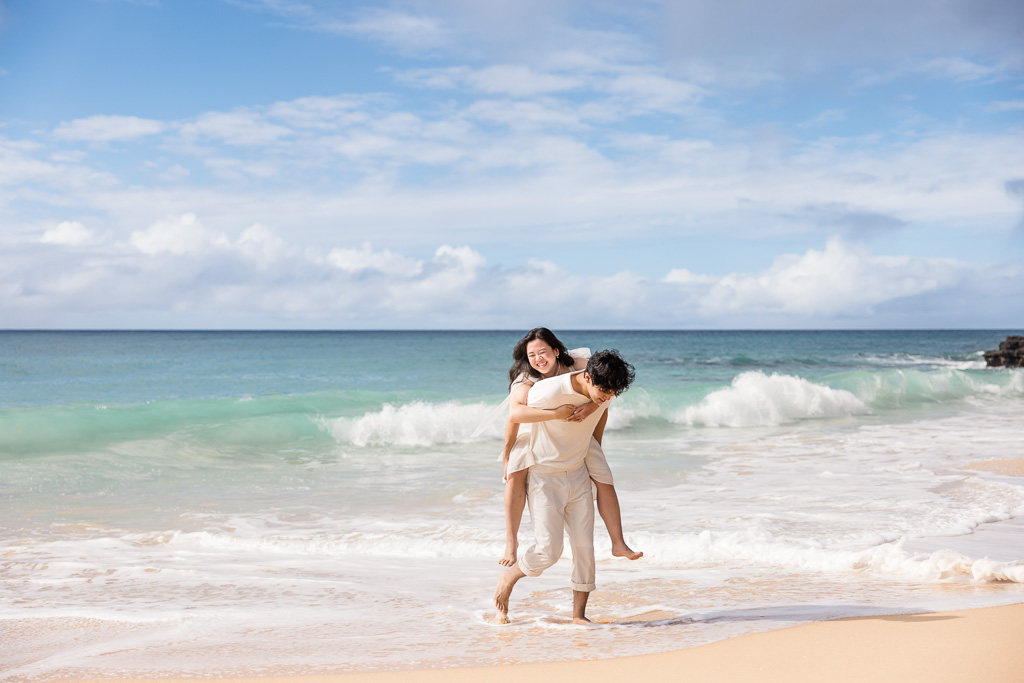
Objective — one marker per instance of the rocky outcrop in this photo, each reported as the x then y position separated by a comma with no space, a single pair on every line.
1009,355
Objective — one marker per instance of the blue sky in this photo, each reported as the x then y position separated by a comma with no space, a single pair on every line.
455,164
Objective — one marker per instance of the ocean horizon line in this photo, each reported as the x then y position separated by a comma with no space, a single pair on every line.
258,330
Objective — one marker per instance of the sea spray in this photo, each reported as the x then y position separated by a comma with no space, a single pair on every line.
756,400
413,424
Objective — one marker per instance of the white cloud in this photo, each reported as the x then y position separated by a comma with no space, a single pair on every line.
442,78
462,259
1008,105
825,118
180,270
647,90
403,31
179,235
108,128
241,128
69,233
682,276
960,70
320,113
843,279
21,167
609,91
262,245
366,259
519,115
174,174
514,80
235,169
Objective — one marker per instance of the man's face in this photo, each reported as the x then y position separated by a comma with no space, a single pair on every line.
596,393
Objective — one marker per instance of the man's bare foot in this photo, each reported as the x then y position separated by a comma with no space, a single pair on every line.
579,607
509,558
506,582
624,550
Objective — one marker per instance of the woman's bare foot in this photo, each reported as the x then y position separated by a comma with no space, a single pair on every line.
506,582
511,552
623,550
581,621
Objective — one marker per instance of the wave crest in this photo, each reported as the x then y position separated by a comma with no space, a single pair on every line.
414,424
897,388
758,400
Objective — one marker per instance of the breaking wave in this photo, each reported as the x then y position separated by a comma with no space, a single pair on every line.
756,400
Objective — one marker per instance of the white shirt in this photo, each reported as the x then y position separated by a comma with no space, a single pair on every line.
559,445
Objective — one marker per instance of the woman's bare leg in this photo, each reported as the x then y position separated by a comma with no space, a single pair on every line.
515,501
608,506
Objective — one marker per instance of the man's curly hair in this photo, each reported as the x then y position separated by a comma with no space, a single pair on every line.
608,371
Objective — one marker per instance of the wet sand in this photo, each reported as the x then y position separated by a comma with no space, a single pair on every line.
978,644
1013,467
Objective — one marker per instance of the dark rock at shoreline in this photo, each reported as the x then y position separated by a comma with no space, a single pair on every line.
1009,355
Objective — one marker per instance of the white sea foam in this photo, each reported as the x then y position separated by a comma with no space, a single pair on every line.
426,542
758,400
635,405
977,362
413,424
755,548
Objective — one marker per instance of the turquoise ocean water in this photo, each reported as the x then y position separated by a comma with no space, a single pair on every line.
257,503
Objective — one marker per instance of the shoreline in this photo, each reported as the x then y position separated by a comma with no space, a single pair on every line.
973,644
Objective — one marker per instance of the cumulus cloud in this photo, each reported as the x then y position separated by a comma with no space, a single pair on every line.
261,245
683,276
179,235
70,233
366,259
843,279
179,269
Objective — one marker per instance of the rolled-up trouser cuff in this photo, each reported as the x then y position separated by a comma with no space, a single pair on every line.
584,587
534,573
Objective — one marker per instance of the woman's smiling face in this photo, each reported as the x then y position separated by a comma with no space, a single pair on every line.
543,359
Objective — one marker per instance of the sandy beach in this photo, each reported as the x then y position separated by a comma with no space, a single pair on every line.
1012,467
978,644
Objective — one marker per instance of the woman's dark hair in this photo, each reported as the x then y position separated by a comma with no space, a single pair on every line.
521,364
